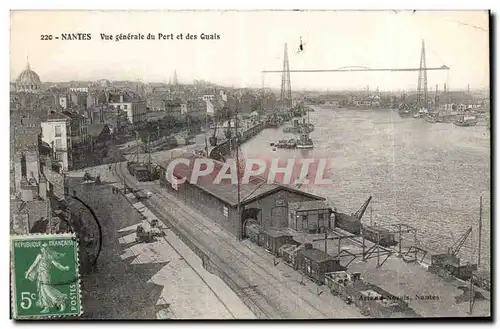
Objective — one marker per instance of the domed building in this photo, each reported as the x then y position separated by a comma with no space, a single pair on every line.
28,81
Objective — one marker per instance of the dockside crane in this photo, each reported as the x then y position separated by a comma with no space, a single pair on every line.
361,211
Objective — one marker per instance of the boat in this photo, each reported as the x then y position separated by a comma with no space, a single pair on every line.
285,144
305,142
421,113
404,111
466,121
431,118
291,144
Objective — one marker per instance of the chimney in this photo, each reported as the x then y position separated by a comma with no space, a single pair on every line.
308,245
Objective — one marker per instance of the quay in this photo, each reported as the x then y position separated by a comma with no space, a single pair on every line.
205,218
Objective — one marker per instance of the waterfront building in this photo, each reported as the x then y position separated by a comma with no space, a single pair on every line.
267,204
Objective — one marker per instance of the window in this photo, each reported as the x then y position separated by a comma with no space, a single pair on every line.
225,211
58,144
58,131
124,107
304,222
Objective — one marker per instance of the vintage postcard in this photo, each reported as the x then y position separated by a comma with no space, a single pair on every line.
250,164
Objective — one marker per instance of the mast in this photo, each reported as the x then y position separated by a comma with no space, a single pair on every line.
480,228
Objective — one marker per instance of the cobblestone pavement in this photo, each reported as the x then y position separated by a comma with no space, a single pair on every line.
162,279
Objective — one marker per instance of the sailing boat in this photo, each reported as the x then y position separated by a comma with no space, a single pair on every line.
305,142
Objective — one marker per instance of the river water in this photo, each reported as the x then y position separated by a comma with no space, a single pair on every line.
426,175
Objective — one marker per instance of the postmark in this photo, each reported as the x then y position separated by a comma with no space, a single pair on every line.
45,276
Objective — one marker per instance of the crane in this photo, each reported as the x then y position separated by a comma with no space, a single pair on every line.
455,248
363,69
359,214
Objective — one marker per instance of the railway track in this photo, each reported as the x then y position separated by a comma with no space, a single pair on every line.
259,303
271,288
118,171
258,270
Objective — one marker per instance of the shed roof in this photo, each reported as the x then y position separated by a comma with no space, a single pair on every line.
226,191
275,233
56,116
95,129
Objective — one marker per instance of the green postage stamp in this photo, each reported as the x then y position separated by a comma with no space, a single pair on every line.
45,278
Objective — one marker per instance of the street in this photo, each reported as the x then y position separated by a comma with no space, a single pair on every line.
157,280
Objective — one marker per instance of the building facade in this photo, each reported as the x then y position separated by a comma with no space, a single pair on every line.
309,216
136,109
56,132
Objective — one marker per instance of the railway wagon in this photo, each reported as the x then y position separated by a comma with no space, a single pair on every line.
254,232
347,223
273,240
372,300
316,263
372,233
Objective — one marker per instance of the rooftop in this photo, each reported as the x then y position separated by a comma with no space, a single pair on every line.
95,129
56,116
73,115
276,233
316,255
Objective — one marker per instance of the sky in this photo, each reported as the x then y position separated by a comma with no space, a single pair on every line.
252,41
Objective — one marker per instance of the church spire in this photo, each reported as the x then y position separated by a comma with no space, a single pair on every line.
176,82
27,63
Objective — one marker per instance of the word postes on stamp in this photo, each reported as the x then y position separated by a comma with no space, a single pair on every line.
45,276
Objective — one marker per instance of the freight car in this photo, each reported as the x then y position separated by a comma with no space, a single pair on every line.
273,240
374,233
316,263
255,232
289,252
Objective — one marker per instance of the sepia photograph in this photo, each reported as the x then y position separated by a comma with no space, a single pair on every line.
250,164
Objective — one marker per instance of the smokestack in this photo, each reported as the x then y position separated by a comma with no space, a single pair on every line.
445,87
436,88
468,88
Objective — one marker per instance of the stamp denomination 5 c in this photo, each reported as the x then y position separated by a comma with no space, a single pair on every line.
45,276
